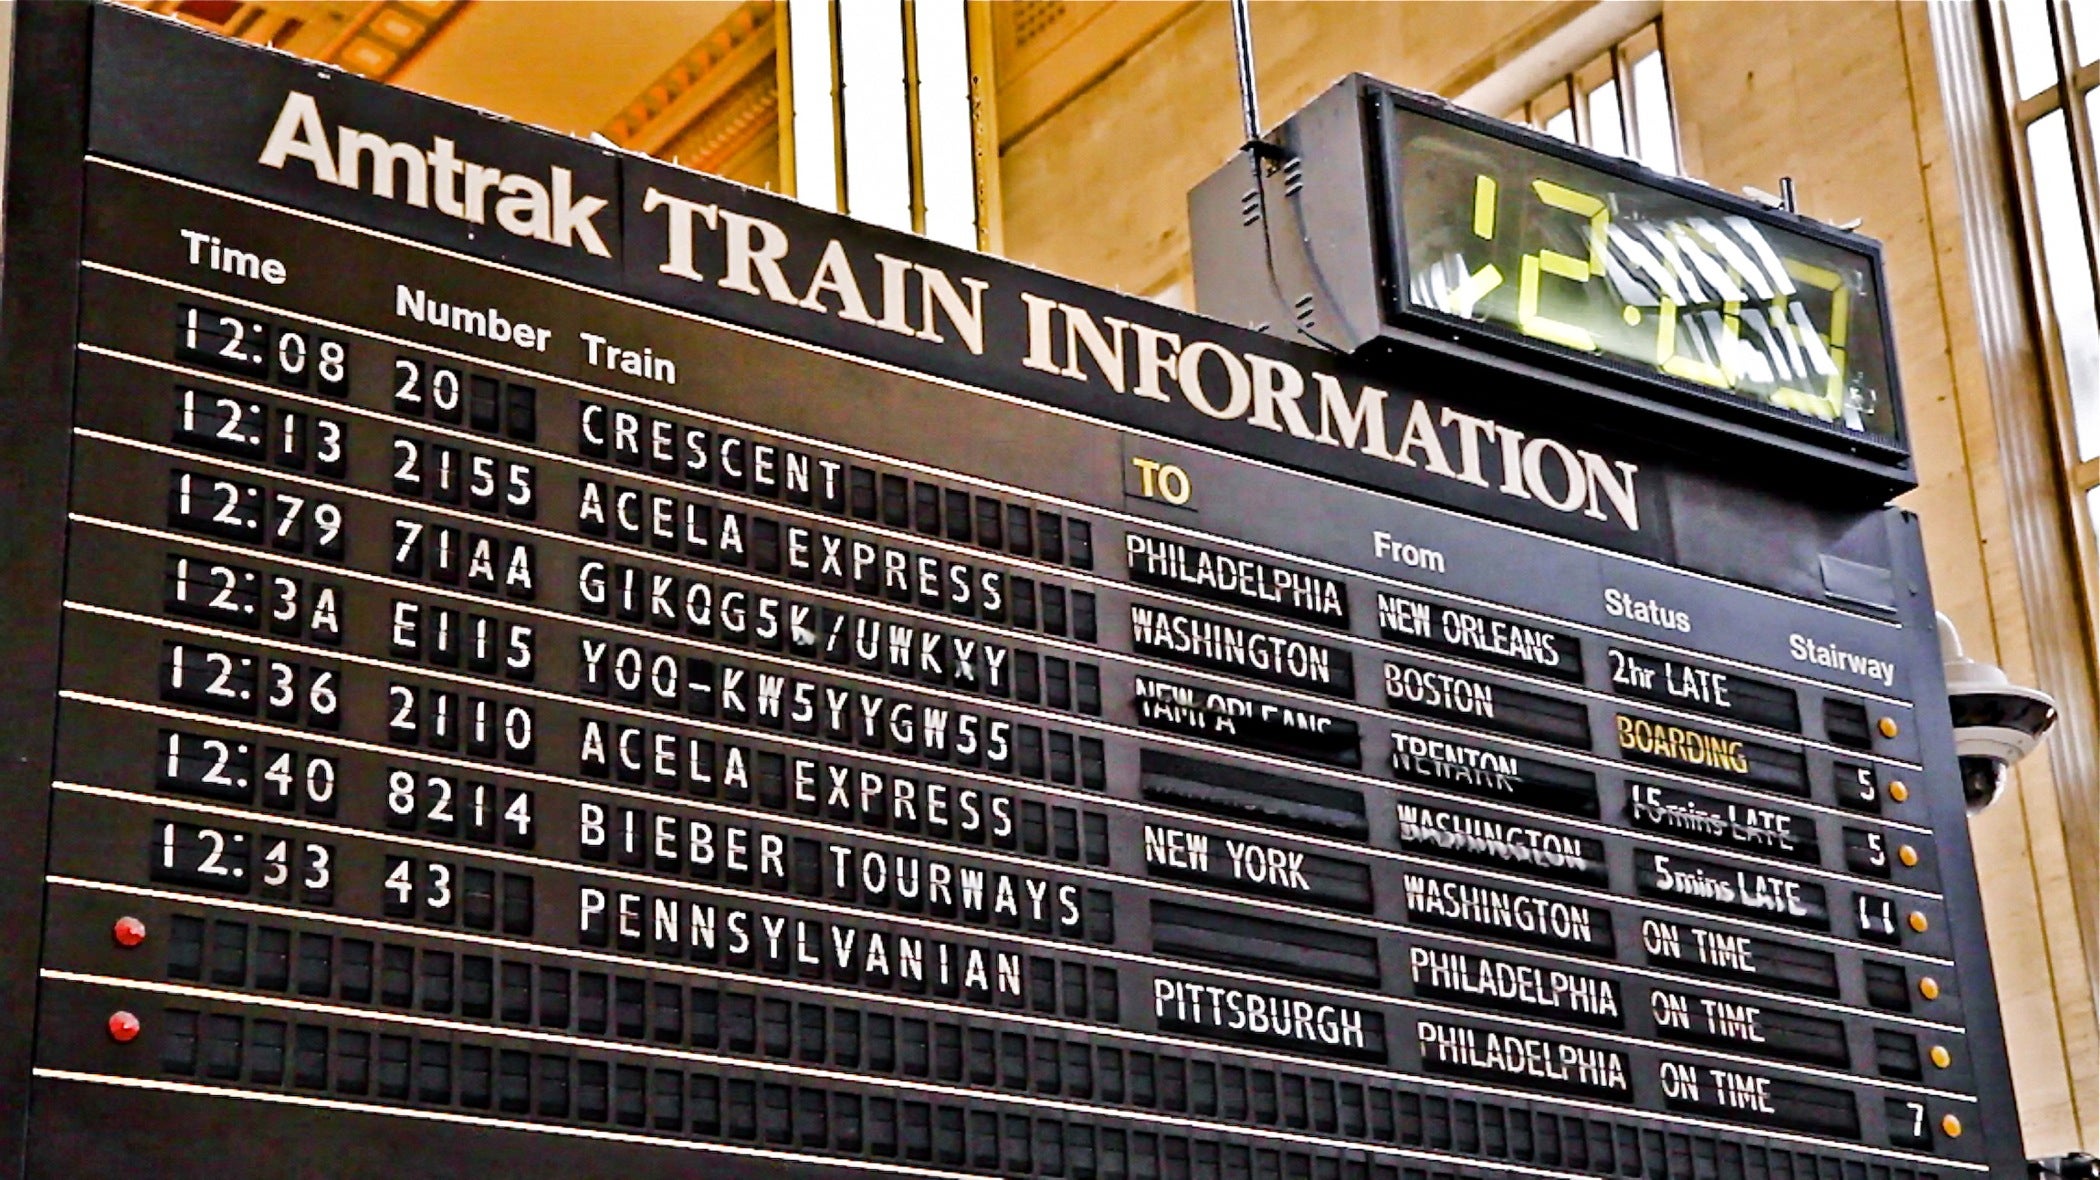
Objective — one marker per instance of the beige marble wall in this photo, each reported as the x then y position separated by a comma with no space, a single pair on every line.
1842,97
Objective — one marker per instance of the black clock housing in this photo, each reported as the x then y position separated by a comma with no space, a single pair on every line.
1393,224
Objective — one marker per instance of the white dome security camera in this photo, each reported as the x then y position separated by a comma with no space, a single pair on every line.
1996,722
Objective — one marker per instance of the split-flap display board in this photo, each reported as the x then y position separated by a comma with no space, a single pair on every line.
526,658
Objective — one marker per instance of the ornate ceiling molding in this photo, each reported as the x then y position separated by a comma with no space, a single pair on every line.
375,38
725,89
388,33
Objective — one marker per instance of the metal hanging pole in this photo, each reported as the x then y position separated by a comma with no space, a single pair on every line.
1243,54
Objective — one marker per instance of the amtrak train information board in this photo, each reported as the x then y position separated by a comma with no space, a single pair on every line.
530,661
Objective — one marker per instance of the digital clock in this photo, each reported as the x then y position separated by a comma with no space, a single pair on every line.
1518,237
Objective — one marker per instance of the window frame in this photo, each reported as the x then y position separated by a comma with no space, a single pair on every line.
1569,92
2075,91
818,164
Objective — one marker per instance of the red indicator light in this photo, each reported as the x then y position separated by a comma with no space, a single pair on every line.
128,931
123,1027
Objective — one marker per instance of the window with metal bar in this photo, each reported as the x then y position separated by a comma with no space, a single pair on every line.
1617,102
883,119
2047,55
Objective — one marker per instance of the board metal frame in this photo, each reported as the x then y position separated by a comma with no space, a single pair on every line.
39,307
46,148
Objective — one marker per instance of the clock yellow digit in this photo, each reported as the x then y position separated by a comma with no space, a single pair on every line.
1830,404
1566,266
1467,295
1684,365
